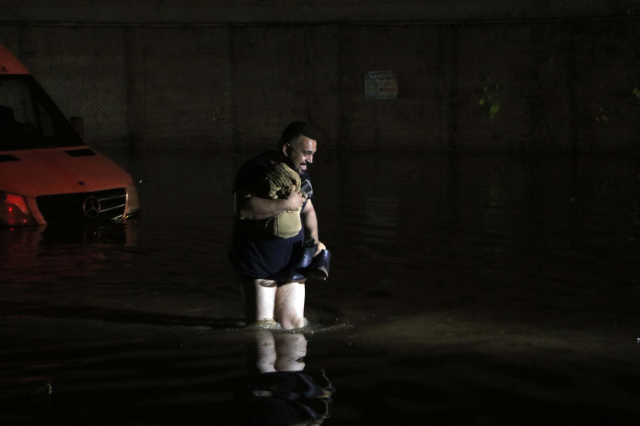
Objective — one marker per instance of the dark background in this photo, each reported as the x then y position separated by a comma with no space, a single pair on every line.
561,76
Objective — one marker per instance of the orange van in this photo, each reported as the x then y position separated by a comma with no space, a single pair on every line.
47,173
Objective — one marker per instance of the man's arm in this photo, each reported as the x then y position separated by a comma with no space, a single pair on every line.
310,223
247,206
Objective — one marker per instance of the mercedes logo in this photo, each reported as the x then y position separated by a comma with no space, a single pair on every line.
91,207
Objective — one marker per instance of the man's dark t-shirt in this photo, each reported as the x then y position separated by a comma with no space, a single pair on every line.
255,253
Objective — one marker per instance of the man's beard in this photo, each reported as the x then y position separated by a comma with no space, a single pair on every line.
304,174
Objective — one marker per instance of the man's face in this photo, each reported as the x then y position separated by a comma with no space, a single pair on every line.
299,153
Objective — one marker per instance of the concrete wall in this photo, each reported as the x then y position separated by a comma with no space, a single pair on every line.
525,87
302,11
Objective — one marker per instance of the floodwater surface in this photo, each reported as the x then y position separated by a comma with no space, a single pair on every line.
480,290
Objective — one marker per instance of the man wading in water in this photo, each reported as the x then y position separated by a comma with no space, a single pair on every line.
276,227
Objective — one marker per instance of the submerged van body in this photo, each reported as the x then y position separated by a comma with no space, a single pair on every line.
47,173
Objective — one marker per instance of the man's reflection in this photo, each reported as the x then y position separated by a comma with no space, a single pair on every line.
277,391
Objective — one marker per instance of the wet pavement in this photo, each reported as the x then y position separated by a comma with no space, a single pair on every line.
482,290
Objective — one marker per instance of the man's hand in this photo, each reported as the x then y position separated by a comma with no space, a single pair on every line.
295,201
320,248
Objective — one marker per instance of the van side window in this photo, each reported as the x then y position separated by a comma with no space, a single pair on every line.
29,119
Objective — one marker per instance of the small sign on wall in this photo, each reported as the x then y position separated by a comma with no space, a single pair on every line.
380,85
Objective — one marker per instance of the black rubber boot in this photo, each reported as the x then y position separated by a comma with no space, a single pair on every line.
296,270
319,267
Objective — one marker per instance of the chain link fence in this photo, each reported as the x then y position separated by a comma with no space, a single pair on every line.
518,87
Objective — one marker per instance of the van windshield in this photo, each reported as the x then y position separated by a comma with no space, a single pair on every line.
29,119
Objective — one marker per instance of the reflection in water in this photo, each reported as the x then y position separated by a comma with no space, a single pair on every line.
28,238
106,233
277,391
61,251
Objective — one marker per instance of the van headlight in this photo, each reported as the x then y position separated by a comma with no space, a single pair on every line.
133,202
14,210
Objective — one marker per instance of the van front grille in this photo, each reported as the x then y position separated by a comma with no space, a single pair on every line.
85,206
